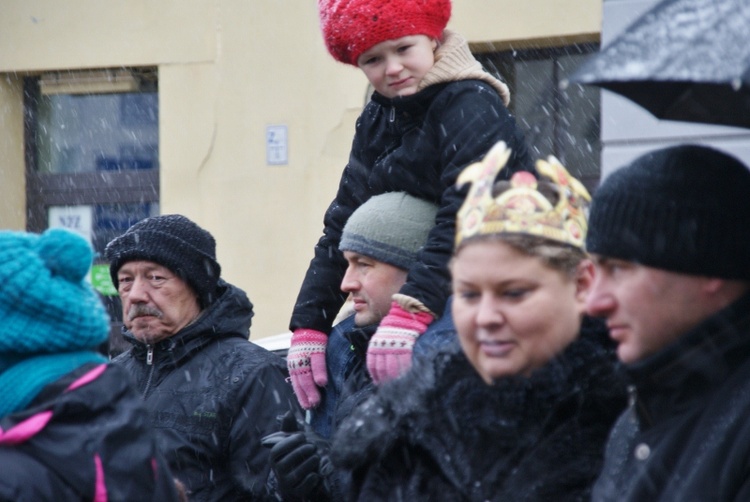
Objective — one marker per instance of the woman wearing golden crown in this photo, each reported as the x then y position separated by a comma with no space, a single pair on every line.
521,407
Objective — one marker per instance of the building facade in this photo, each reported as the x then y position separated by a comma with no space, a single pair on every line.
232,113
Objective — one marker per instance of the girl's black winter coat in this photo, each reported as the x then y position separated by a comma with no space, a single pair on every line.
418,144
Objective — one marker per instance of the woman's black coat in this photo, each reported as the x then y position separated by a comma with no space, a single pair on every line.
444,434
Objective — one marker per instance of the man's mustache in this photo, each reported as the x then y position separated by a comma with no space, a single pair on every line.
143,310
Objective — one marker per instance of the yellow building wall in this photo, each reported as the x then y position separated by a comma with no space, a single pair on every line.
227,70
12,170
530,22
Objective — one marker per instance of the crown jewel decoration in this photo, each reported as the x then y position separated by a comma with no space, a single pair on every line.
522,208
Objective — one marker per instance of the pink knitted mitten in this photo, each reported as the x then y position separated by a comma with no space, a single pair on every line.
306,361
390,348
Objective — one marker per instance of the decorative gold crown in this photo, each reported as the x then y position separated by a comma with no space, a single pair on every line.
522,208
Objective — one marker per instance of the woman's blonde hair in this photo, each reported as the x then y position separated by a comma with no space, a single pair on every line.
557,255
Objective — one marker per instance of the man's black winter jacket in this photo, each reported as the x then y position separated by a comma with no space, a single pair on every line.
212,395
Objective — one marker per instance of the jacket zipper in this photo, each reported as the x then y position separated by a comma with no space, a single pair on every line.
393,115
149,362
632,396
639,409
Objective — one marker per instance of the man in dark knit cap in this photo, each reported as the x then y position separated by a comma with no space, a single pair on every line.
211,393
668,234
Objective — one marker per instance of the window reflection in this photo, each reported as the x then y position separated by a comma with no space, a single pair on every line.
97,132
561,122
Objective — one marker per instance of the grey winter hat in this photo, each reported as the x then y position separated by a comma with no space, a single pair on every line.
684,209
391,228
172,241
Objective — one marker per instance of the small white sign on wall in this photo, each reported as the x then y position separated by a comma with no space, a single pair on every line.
79,219
276,145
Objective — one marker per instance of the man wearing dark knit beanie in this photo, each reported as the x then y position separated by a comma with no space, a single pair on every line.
380,241
211,393
668,234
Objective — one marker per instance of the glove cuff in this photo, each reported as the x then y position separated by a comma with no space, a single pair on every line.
413,321
305,343
315,340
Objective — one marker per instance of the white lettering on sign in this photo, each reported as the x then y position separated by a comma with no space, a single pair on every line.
72,222
276,145
79,219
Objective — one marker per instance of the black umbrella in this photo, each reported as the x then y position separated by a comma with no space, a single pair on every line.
683,60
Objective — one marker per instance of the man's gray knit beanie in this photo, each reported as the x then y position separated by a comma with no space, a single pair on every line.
391,227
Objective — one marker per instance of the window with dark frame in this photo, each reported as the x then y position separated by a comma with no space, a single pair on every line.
92,157
560,122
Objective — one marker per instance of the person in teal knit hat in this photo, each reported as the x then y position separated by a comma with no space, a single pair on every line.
71,426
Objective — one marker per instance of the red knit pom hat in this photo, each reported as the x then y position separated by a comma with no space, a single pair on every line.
350,27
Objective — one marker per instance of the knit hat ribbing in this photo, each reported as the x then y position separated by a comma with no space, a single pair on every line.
683,209
391,227
172,241
350,27
46,305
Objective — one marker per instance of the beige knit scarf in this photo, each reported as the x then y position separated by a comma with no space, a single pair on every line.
454,61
